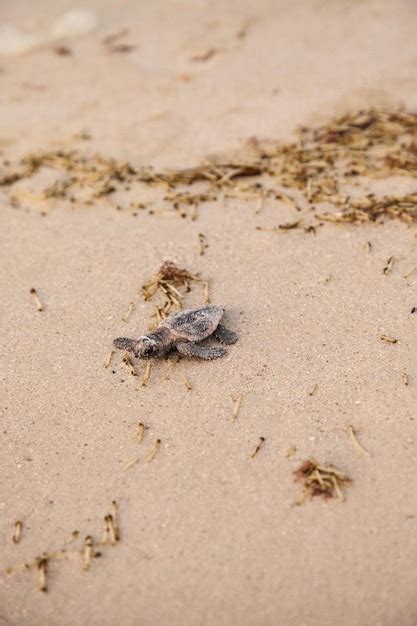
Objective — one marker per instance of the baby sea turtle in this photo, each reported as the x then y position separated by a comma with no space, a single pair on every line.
182,331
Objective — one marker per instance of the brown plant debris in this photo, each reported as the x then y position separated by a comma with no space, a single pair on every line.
321,165
38,302
319,480
43,570
108,359
187,383
17,531
290,452
202,244
204,56
258,447
237,402
128,361
170,283
410,271
355,442
85,554
152,452
62,51
286,226
88,549
129,311
388,266
140,433
388,339
146,374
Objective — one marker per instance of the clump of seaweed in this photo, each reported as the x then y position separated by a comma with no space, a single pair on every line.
97,175
322,165
319,480
167,283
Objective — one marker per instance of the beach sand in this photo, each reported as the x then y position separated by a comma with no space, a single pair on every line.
208,534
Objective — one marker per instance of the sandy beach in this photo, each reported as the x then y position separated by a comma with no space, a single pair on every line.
209,533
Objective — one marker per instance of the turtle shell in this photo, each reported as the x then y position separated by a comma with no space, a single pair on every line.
194,324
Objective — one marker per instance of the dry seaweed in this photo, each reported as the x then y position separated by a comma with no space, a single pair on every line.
318,480
38,302
140,433
320,166
85,554
237,402
388,266
129,311
356,443
258,447
108,359
146,374
388,339
187,383
170,283
290,452
152,452
17,531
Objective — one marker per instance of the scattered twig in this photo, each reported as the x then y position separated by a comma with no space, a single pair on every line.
43,570
410,271
131,464
147,372
206,292
258,447
285,226
108,359
406,379
115,519
140,432
152,452
313,389
127,360
187,383
355,442
17,531
388,266
88,547
172,363
388,339
128,313
35,295
202,244
291,451
236,407
111,529
204,56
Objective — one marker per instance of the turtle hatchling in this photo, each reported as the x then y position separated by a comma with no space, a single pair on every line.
182,331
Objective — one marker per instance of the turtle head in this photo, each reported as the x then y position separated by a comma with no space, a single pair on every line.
146,347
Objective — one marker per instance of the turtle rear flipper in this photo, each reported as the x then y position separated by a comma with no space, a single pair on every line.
123,343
